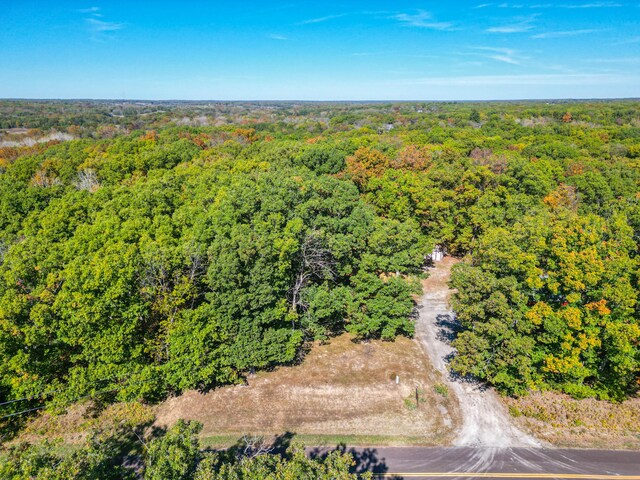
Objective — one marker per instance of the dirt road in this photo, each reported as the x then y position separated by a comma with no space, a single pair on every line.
485,421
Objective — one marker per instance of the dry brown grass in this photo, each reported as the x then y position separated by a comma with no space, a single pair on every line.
589,423
342,391
341,388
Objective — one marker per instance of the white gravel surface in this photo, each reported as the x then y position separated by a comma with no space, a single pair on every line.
485,422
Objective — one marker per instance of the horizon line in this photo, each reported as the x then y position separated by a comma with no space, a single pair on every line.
131,100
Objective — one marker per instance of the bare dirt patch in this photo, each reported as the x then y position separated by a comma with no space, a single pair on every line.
587,423
341,388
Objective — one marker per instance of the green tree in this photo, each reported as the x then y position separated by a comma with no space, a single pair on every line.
174,455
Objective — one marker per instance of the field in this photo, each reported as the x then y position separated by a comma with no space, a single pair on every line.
343,392
342,389
589,423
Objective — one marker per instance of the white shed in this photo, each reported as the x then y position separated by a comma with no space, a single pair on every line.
437,254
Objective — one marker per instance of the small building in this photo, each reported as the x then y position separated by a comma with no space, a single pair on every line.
438,253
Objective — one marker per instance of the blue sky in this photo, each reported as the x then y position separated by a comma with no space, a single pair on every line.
373,50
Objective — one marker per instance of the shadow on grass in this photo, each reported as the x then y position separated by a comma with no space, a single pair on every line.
282,443
249,446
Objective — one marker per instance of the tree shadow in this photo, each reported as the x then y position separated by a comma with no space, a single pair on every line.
120,449
366,459
448,328
281,443
131,442
454,376
249,446
12,426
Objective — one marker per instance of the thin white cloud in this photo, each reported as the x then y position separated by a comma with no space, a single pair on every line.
504,55
276,36
321,19
594,5
519,25
483,5
504,59
421,19
100,29
100,26
565,33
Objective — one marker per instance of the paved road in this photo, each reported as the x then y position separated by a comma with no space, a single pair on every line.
509,463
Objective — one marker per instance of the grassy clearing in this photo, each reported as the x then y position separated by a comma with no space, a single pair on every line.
342,392
566,422
225,441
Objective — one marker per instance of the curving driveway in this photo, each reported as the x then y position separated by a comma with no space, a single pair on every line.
485,420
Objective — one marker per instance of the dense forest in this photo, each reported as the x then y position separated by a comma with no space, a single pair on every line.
151,248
